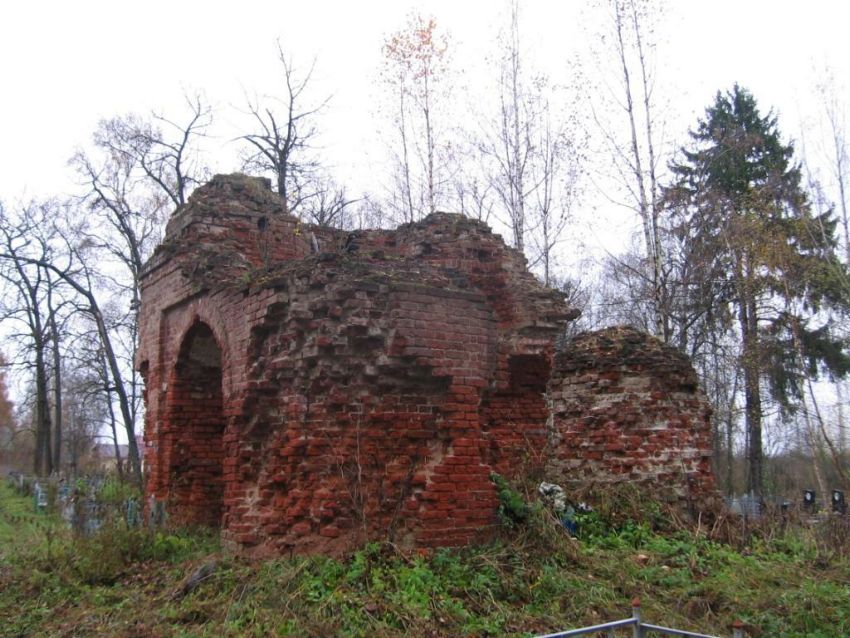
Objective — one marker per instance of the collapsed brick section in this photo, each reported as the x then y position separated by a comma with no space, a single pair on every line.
626,407
308,400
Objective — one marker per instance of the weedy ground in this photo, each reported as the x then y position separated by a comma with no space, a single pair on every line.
780,580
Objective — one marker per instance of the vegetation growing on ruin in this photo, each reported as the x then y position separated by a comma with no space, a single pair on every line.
780,579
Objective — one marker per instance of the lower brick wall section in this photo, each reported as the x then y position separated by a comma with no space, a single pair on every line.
514,420
625,407
458,501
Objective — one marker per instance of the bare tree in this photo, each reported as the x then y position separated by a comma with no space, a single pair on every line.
473,194
91,397
327,203
34,304
555,170
52,244
835,115
55,329
835,146
65,262
85,404
530,151
159,148
631,140
132,182
140,170
285,134
508,139
416,64
828,190
369,213
7,412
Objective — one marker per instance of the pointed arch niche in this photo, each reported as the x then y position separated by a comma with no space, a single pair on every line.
194,431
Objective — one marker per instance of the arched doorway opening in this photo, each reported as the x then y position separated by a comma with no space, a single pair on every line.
196,421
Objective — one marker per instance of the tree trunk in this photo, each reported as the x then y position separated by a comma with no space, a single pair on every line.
281,186
814,446
657,254
43,462
730,454
752,397
408,187
123,402
842,428
840,157
112,363
57,392
644,206
835,455
517,179
429,141
119,463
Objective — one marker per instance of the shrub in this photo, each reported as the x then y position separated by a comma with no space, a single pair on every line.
513,510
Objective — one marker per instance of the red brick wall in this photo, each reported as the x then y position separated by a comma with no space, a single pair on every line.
514,419
367,391
626,407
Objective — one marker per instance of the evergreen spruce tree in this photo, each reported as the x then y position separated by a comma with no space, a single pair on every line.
738,192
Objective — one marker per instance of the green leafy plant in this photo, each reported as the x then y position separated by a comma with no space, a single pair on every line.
513,510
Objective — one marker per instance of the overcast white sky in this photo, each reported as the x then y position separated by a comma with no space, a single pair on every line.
65,65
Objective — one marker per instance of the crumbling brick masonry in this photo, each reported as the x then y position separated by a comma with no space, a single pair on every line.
310,388
627,407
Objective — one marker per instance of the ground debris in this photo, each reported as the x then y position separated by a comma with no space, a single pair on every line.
194,580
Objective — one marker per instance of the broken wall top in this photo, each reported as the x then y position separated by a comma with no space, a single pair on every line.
624,348
234,233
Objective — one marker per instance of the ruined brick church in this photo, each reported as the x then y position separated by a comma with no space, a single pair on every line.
310,388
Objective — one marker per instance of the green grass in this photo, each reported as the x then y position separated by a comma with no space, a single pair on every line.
533,580
20,526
